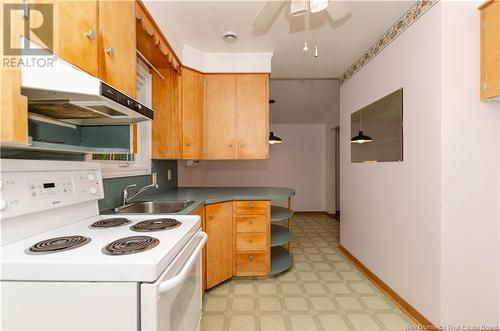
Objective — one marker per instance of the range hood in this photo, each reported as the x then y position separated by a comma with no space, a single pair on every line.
67,94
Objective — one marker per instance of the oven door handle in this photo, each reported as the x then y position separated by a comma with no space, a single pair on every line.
182,275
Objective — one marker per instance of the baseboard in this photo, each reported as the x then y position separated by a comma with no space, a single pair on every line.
408,309
315,213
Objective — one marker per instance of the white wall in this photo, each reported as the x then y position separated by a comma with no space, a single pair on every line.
470,165
391,211
429,226
299,163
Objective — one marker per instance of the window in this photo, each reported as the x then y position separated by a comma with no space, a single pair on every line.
139,162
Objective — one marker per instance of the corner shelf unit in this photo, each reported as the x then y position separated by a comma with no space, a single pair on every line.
281,257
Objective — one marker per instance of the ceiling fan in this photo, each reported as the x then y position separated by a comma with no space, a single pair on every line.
268,13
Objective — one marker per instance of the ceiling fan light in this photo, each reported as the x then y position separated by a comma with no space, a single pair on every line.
318,5
299,7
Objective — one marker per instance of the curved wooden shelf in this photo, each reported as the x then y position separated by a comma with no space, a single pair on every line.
280,214
280,260
279,235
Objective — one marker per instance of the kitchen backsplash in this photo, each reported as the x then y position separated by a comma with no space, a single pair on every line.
113,187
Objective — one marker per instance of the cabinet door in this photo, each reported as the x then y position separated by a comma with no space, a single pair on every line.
192,114
117,45
77,34
166,136
220,126
490,50
253,116
219,227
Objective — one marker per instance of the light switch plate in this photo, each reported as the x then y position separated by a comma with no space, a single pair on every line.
169,174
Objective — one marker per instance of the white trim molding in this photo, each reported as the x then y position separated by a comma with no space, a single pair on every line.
226,62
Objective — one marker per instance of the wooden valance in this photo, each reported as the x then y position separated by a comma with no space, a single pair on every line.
151,42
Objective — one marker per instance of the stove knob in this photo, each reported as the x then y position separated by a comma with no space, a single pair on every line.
3,204
92,190
90,177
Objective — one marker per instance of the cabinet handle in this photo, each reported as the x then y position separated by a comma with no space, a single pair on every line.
251,222
110,51
188,145
230,145
250,241
90,34
250,258
211,216
250,205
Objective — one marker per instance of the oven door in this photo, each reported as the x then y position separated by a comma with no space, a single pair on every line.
173,302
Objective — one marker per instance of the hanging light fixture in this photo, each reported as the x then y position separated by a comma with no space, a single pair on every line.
274,139
318,5
361,138
299,7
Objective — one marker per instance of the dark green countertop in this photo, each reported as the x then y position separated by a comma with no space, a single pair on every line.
209,195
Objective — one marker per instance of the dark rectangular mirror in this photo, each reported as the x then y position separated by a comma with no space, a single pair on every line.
377,130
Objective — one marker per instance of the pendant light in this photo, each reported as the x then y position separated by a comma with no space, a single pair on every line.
274,139
361,138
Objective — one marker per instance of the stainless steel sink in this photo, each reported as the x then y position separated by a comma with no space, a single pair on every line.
154,207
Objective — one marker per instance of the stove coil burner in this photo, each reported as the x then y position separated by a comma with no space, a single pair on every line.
155,225
130,245
58,244
110,222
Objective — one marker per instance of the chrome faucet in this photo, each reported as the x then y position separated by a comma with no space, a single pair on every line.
154,184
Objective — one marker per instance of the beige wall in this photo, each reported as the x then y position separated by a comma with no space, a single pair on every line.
429,226
470,191
299,163
391,210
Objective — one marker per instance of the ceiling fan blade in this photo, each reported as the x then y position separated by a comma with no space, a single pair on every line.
337,10
267,14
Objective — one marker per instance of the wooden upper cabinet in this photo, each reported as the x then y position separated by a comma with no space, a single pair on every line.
117,43
166,131
252,116
76,34
192,114
236,116
220,116
490,50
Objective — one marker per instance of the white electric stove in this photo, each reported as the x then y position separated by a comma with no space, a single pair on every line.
65,267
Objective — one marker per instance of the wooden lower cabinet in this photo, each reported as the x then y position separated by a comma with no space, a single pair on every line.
238,243
251,264
252,238
219,247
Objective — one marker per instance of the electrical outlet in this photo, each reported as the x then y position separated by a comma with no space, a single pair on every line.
169,174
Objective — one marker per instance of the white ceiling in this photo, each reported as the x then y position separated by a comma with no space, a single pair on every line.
200,24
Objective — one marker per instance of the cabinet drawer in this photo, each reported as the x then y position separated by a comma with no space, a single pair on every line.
252,207
251,223
251,241
252,264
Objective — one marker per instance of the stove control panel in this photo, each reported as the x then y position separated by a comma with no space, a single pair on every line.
53,188
47,185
